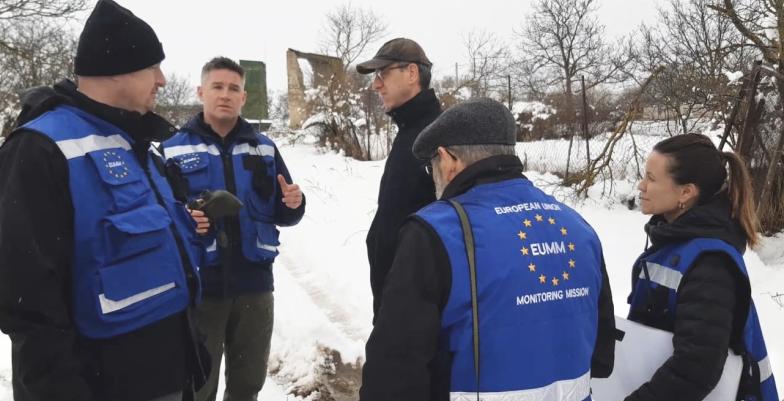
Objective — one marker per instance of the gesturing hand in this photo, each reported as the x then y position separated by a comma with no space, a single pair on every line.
292,195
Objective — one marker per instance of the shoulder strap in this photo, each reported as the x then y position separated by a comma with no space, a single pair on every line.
468,236
159,150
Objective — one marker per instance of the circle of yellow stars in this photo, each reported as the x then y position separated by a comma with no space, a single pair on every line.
555,280
110,156
189,161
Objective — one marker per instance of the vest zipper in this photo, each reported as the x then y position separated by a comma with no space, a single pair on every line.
230,224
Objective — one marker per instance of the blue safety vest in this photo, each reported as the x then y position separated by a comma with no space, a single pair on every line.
666,267
203,162
538,269
127,271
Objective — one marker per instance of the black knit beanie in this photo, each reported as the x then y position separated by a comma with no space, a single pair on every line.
115,42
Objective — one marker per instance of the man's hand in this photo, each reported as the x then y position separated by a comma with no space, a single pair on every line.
202,222
292,195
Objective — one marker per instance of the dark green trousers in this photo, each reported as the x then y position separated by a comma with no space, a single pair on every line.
240,327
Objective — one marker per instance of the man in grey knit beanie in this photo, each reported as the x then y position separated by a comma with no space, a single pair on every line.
467,273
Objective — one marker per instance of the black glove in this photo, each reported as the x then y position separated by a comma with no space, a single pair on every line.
216,204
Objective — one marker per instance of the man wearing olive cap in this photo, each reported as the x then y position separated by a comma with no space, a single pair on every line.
97,263
497,290
402,79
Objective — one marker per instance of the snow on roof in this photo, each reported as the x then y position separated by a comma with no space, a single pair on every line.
733,76
538,110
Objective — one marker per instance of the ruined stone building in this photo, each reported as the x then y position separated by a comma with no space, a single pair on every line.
325,69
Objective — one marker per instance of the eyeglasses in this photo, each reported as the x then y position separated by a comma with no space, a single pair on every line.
381,72
429,166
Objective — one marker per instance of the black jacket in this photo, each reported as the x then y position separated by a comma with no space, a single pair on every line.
403,357
713,300
405,187
50,360
241,276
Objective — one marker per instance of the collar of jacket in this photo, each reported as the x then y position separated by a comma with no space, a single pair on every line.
485,171
242,131
711,219
425,102
142,128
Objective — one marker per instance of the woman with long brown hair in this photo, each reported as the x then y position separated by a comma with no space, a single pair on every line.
692,280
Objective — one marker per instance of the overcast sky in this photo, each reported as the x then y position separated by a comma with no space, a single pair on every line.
193,31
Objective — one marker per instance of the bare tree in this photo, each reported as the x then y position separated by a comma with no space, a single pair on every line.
562,41
13,11
349,30
42,54
698,47
761,23
488,64
35,49
176,101
353,111
279,107
698,35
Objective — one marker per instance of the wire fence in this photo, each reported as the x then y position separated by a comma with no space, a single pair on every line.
627,159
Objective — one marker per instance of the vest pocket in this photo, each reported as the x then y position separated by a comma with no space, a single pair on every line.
141,263
258,208
136,232
266,241
127,284
194,169
262,180
261,197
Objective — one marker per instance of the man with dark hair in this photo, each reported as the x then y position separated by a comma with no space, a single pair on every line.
497,291
218,149
222,63
97,271
402,79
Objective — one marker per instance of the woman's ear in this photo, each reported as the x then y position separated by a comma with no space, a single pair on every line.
689,194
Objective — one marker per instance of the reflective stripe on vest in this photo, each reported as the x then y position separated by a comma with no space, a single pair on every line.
79,147
180,150
663,275
766,371
266,247
260,150
126,268
563,390
536,261
109,306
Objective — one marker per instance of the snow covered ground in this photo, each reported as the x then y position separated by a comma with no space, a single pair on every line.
322,295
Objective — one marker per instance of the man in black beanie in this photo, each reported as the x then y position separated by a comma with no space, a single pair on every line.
97,264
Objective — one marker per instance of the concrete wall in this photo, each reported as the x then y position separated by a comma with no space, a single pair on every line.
325,70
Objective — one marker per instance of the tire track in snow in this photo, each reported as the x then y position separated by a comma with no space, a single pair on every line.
336,313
